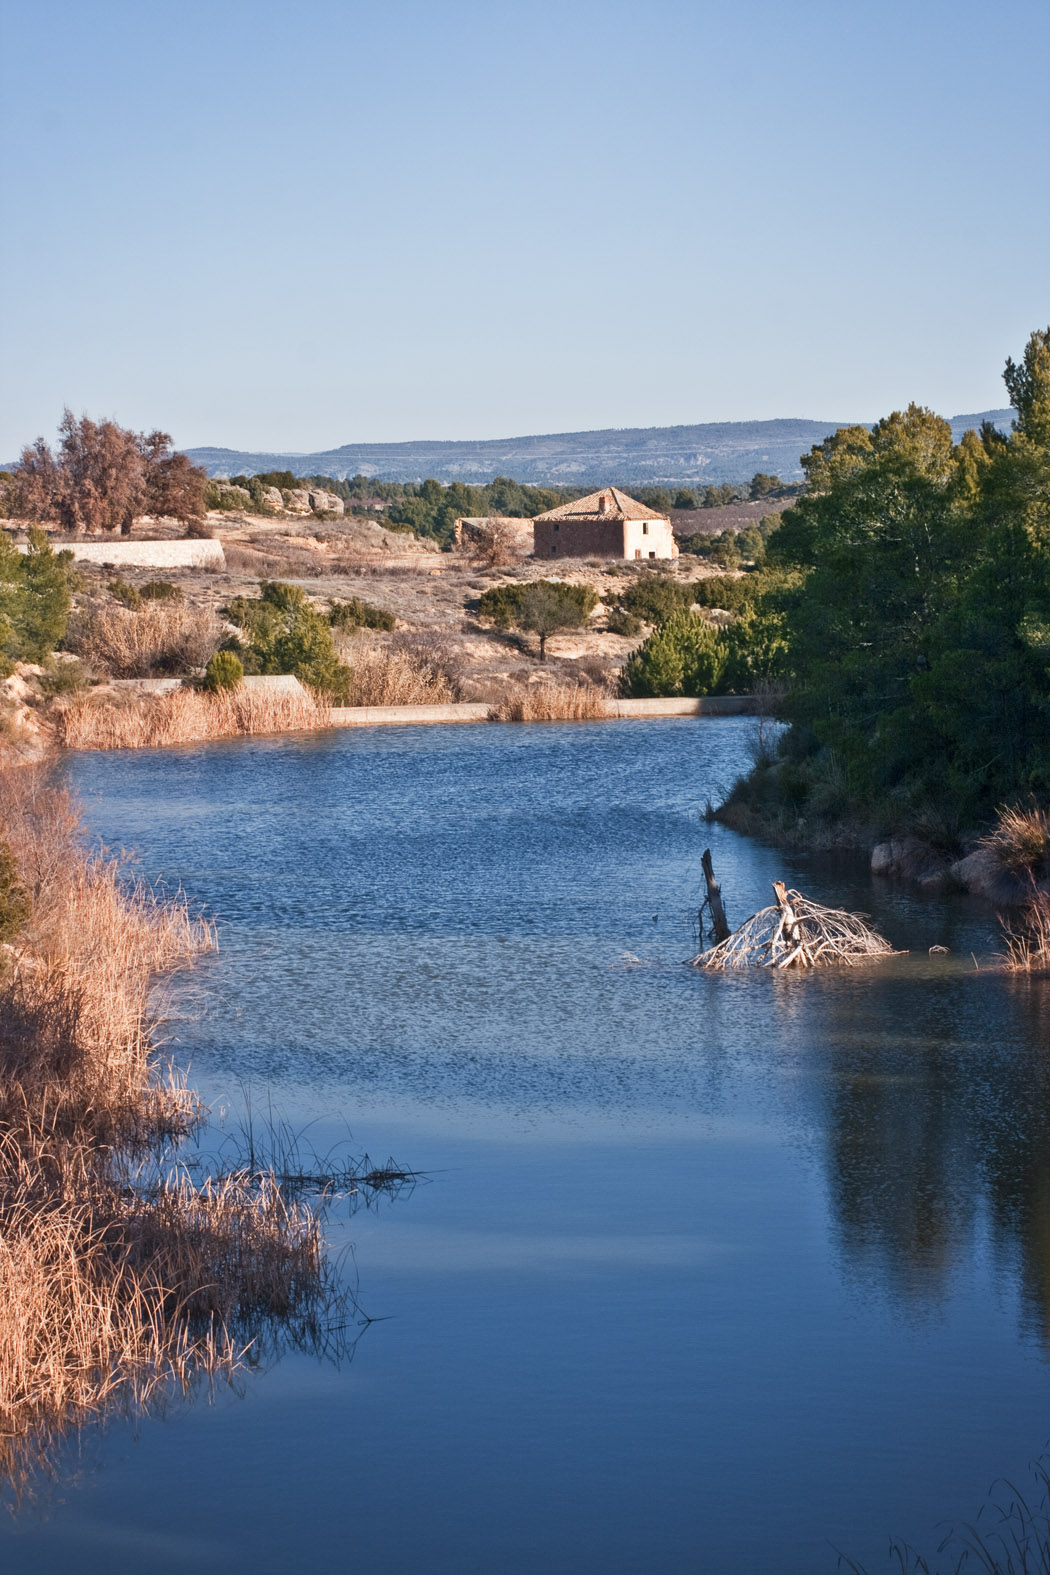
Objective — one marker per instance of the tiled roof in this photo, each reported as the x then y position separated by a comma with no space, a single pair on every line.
618,506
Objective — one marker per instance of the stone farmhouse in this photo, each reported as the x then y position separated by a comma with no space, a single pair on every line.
606,524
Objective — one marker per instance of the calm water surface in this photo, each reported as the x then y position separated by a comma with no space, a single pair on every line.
709,1274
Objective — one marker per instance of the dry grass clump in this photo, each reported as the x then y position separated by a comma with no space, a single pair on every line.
394,676
186,716
553,702
1020,840
796,933
1026,932
120,1280
158,638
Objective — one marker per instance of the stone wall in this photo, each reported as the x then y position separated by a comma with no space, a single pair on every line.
578,538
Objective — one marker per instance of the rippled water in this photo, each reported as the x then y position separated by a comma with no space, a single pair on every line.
708,1273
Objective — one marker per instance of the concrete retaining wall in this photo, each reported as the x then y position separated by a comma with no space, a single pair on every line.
124,554
412,715
406,715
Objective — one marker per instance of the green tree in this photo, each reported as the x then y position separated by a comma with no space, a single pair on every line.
548,607
684,656
762,484
284,633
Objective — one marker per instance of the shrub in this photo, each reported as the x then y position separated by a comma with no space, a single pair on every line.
656,598
221,495
731,592
357,614
161,638
620,622
66,677
684,656
224,671
160,591
126,593
285,633
500,605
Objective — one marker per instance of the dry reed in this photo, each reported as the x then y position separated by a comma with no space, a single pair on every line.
120,1280
1026,933
796,933
552,702
1020,840
158,638
392,676
186,716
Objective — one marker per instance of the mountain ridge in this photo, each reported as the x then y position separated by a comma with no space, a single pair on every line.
705,453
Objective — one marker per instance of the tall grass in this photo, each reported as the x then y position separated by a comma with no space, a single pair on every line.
1026,935
1019,841
552,702
158,638
1010,1535
394,676
186,716
120,1280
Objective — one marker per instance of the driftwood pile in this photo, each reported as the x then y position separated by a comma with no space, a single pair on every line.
796,933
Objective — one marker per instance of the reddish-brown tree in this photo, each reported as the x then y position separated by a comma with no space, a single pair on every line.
174,487
105,475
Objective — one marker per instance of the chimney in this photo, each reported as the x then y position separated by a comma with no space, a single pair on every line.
603,503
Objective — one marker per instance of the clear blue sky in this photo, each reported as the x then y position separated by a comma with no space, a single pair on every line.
293,225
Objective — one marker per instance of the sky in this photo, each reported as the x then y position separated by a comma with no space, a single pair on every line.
291,226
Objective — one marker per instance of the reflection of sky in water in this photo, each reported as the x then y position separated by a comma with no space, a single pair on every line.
707,1270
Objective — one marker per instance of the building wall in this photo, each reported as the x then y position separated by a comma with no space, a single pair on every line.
649,539
624,539
578,538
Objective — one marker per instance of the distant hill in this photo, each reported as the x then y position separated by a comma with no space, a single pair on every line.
709,454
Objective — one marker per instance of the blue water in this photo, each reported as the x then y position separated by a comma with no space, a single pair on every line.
707,1273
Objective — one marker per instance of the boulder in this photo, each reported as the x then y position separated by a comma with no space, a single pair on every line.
297,501
908,858
326,503
271,496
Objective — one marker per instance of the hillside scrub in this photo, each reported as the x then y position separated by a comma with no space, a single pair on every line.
355,613
917,625
688,654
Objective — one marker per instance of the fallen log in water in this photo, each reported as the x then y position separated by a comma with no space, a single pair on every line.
796,933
